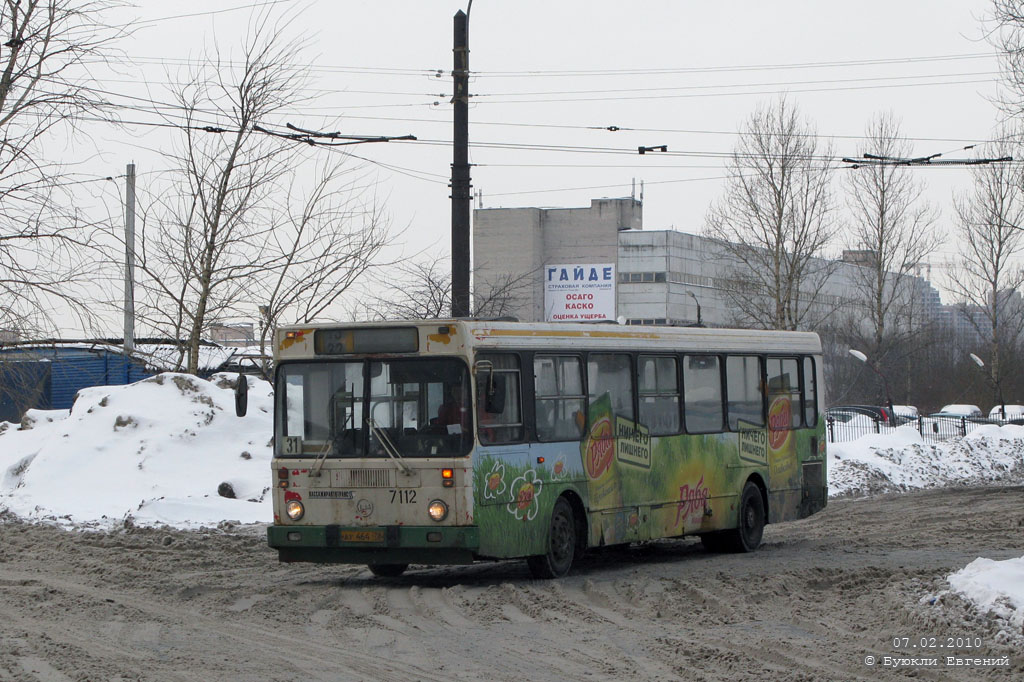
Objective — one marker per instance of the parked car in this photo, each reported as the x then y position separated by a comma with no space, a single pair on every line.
957,410
905,414
905,410
872,411
953,420
1013,412
849,422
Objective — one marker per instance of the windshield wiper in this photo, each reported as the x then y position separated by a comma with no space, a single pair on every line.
318,464
389,447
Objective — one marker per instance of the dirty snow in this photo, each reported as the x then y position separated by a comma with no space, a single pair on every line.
902,460
996,588
162,451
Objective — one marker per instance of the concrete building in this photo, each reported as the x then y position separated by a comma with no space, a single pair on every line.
234,334
519,242
663,277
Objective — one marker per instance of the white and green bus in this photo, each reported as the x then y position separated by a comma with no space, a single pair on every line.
450,441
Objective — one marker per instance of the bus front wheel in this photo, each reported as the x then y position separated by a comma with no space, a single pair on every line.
561,546
747,535
387,570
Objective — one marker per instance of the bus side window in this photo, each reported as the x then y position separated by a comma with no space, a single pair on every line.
658,384
784,382
810,393
744,391
560,403
702,394
612,373
504,425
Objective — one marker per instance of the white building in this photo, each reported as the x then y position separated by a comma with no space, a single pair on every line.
662,276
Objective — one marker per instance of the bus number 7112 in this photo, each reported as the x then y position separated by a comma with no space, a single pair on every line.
403,496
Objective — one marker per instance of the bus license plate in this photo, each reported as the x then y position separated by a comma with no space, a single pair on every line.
362,536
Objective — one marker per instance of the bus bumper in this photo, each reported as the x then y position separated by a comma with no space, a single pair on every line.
375,544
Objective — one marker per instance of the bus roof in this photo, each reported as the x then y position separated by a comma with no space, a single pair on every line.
612,336
462,335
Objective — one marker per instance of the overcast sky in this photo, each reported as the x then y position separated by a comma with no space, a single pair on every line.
550,77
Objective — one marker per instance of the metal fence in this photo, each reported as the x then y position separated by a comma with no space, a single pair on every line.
931,428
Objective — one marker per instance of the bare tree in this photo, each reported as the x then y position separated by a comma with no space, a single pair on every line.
422,289
988,274
1008,38
892,232
238,229
48,251
323,239
776,220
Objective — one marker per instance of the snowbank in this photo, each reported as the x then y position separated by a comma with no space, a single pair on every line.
902,460
158,451
155,452
996,590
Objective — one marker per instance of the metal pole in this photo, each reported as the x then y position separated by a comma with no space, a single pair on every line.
129,261
461,189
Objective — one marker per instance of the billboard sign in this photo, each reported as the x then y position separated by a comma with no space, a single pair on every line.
579,292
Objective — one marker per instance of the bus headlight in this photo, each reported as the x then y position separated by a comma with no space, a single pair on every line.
294,510
437,510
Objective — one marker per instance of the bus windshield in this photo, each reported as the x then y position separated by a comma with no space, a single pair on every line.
345,409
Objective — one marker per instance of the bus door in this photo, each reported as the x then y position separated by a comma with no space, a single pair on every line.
503,452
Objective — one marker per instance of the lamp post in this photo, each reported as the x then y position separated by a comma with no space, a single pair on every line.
885,383
700,323
995,384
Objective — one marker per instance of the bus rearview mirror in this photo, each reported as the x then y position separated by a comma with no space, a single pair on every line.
241,395
494,402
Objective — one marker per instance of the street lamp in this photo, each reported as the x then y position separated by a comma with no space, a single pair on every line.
885,384
700,322
995,384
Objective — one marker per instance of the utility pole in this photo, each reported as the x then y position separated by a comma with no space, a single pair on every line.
129,261
461,196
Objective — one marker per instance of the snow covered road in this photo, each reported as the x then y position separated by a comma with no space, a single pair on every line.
820,596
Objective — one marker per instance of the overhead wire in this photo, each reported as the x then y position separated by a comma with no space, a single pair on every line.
410,172
445,71
225,10
618,184
739,85
734,68
170,112
517,146
733,94
615,129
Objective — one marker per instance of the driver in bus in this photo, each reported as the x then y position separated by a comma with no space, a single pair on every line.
453,413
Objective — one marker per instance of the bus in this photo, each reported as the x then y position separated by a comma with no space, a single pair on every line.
452,441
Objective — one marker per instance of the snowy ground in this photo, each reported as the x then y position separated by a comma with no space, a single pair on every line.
153,452
902,461
170,451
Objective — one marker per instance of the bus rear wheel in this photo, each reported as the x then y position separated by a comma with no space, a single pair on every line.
561,547
747,535
387,570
